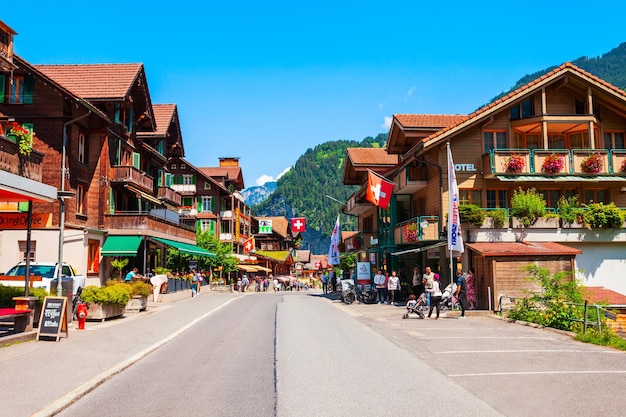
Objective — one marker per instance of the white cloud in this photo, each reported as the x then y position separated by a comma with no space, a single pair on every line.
381,105
268,178
410,92
387,123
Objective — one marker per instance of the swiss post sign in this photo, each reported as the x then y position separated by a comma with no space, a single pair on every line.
20,221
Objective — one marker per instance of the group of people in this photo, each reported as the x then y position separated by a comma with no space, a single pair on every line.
388,287
429,283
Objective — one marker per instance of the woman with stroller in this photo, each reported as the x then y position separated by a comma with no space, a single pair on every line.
435,297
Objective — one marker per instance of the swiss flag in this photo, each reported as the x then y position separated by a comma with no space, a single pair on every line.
378,190
248,245
298,225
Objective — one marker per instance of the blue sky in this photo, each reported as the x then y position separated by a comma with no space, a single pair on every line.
265,81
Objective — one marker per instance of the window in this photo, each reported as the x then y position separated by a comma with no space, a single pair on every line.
80,196
188,179
525,109
579,141
403,207
552,197
173,166
207,226
206,203
524,141
470,197
183,166
556,142
368,224
82,151
614,140
497,199
21,89
207,185
579,107
494,140
596,196
93,256
22,248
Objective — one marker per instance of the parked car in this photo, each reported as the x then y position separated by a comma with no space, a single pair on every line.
48,273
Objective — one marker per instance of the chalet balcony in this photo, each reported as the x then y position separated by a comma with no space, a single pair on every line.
25,166
417,229
168,194
227,214
147,223
356,206
184,188
130,175
411,179
523,164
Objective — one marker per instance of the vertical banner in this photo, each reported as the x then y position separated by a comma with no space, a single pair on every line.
333,250
455,238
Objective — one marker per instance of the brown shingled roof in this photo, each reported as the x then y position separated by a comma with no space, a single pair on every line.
163,114
428,120
604,295
371,156
94,81
499,249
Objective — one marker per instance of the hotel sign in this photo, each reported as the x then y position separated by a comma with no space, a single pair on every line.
464,168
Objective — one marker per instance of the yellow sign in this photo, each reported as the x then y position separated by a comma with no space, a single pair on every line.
18,221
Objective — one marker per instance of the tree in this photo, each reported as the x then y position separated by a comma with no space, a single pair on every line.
223,253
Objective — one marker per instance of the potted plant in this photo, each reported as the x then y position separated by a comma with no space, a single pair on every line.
569,211
592,164
139,292
515,164
601,216
471,214
527,206
23,137
410,232
119,265
623,167
106,302
499,218
553,164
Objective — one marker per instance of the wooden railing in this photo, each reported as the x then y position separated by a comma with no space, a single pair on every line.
130,174
167,193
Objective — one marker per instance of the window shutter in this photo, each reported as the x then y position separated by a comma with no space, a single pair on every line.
29,86
3,80
168,179
160,177
199,204
198,226
213,204
116,116
193,179
137,160
111,201
212,227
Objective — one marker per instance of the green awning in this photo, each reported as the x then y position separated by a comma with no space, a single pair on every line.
186,248
121,246
562,178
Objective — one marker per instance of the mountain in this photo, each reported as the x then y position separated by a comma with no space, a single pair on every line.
259,193
310,189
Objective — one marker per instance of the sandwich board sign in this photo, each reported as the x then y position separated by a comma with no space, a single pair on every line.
53,319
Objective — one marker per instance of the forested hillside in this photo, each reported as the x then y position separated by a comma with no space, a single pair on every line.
302,191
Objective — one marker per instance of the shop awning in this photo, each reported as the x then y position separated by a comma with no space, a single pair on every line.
262,268
423,248
186,248
16,188
144,195
247,268
121,246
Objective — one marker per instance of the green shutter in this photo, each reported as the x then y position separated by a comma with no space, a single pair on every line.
3,80
160,177
29,87
213,204
137,160
193,179
111,202
198,226
168,179
116,116
200,205
212,227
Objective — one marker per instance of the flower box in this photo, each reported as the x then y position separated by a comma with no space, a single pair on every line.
514,164
553,164
102,312
592,164
137,303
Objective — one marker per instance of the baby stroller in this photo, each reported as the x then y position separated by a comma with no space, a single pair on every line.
448,299
417,308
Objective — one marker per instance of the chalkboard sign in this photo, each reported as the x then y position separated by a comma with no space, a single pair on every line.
53,318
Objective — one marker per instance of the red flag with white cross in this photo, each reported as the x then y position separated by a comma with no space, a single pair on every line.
378,190
298,225
248,245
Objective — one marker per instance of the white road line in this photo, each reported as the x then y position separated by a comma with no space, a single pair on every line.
536,373
454,352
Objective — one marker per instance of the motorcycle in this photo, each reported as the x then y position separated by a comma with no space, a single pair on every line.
353,293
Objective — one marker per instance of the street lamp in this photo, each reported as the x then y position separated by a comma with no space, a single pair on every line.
61,195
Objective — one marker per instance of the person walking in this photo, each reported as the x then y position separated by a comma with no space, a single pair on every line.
461,292
435,297
244,283
427,280
379,282
325,283
194,283
393,286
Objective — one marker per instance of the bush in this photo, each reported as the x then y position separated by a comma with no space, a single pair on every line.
527,206
8,292
118,294
470,213
140,288
499,217
569,209
598,215
548,306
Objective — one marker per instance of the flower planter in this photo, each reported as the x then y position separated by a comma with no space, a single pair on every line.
103,311
137,303
540,223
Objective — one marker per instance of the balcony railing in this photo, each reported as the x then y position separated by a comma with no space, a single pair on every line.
25,166
417,229
184,188
167,193
130,174
160,221
572,162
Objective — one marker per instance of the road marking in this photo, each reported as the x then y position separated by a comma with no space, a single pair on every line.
537,373
454,352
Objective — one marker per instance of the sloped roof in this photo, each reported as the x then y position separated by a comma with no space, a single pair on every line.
428,120
347,235
567,67
303,255
503,249
280,225
371,156
163,115
94,81
604,295
233,174
279,256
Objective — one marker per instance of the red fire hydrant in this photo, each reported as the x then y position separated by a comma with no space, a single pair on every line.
81,313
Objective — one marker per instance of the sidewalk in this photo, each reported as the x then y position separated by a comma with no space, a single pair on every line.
43,377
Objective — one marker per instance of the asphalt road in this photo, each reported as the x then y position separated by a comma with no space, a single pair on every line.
301,354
